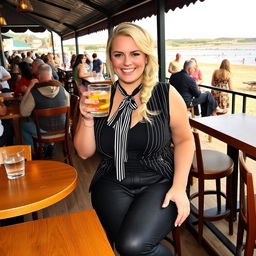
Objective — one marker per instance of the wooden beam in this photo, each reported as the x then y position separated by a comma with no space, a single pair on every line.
161,38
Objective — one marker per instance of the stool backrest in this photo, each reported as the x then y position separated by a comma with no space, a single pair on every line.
198,154
247,200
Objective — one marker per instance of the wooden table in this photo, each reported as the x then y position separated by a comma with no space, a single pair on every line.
44,183
238,131
13,112
9,96
68,235
96,80
65,70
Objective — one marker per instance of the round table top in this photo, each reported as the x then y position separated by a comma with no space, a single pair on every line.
44,183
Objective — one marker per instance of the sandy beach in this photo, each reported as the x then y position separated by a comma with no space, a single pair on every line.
240,74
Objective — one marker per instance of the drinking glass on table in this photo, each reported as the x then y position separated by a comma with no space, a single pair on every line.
14,163
100,92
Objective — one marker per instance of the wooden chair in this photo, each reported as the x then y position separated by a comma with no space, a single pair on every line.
16,148
74,112
247,213
175,241
56,129
76,88
211,165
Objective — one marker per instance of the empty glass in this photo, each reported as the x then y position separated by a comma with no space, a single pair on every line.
14,163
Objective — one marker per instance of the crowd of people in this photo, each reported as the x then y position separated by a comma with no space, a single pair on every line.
187,82
36,78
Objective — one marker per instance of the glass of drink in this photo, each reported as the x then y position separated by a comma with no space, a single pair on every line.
101,92
14,163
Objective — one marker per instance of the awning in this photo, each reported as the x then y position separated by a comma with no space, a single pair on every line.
67,17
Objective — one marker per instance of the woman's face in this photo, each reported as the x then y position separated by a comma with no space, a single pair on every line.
83,59
127,60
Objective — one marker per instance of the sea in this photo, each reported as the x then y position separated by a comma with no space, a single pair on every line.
236,54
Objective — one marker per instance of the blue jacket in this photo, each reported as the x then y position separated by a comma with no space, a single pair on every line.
185,85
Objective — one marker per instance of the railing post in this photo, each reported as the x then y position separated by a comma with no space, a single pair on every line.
233,103
244,104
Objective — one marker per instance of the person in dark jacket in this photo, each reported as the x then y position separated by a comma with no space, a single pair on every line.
188,89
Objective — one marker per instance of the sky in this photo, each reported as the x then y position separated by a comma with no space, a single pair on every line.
208,19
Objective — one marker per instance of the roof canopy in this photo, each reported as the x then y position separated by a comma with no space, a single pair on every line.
73,17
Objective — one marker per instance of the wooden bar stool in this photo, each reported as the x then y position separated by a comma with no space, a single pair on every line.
247,213
211,165
175,241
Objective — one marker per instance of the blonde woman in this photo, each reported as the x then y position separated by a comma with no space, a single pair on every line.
139,188
222,78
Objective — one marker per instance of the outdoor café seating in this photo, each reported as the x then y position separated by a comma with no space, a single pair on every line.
247,213
211,165
53,119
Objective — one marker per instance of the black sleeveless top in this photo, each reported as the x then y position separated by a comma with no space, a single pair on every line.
149,142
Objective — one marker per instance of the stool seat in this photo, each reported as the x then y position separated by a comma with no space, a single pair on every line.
214,163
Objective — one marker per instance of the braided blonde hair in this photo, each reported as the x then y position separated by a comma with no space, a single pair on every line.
146,44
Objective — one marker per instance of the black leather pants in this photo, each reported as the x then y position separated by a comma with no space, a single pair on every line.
131,212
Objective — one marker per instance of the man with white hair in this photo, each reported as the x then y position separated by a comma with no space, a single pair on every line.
35,65
188,89
43,92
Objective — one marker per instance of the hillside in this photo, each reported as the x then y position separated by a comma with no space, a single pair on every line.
206,41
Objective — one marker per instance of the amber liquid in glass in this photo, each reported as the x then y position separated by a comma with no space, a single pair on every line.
104,103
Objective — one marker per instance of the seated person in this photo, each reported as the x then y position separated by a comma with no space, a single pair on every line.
41,93
188,89
6,129
4,77
80,70
25,78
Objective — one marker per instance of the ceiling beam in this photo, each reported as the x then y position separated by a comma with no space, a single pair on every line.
52,19
55,5
97,7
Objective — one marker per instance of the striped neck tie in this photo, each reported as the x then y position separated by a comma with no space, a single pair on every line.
121,121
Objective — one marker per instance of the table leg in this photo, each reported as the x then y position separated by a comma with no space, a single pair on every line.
16,127
233,153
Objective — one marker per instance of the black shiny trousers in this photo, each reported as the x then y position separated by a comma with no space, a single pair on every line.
131,212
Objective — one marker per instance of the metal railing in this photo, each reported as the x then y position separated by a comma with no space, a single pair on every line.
234,94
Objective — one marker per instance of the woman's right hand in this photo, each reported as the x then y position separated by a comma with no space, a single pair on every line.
86,106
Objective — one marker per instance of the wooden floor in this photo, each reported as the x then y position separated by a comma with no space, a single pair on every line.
80,200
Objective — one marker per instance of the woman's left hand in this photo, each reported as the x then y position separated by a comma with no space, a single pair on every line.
181,200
